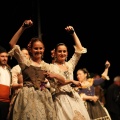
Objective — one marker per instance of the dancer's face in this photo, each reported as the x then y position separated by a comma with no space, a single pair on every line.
81,76
26,53
37,50
61,53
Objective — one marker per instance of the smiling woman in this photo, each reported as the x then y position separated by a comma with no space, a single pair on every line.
34,77
68,104
38,50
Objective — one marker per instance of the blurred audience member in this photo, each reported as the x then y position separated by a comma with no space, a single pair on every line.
113,99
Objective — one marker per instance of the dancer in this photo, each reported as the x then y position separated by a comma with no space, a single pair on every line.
87,92
16,72
34,100
68,104
99,91
17,82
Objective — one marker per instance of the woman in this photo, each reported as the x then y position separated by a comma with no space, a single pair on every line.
87,92
17,83
68,104
16,72
34,100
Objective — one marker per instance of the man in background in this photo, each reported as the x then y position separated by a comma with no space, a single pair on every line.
113,99
5,81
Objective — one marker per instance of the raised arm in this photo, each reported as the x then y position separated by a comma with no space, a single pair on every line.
105,73
71,30
26,24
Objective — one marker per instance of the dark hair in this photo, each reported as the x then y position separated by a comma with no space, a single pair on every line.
85,71
2,49
60,44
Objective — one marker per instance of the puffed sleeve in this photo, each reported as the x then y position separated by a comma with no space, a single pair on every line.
18,55
76,56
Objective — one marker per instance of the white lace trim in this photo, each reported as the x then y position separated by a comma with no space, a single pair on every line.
11,52
84,50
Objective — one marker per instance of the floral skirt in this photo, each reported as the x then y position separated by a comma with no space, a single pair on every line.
31,104
69,106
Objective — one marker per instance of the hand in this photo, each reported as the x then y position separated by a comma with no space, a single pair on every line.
107,64
69,29
77,83
95,98
27,23
49,75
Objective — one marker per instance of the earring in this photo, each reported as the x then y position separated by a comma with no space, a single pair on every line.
42,56
66,59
